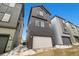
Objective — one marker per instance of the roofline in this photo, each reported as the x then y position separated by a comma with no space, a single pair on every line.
42,8
58,17
72,23
64,20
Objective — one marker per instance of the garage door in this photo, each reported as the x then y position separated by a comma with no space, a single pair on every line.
76,39
42,42
66,40
3,43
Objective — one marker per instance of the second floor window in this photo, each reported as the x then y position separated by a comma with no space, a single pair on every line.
42,23
39,23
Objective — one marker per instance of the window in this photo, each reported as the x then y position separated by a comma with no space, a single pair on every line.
63,21
39,13
65,30
39,23
73,27
6,17
42,23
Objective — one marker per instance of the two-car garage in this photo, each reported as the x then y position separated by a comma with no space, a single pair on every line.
42,42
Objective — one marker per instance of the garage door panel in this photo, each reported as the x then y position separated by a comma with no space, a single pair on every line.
42,42
66,41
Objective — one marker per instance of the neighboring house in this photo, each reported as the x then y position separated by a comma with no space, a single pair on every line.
78,30
74,33
11,25
39,32
60,31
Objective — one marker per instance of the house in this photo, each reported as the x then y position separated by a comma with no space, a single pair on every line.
73,33
60,32
11,25
78,29
39,33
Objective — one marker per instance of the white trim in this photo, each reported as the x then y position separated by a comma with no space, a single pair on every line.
6,17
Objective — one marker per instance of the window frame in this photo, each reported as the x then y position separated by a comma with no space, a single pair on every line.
5,16
40,13
39,23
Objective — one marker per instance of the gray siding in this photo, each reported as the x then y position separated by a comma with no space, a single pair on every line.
46,31
14,12
38,30
34,12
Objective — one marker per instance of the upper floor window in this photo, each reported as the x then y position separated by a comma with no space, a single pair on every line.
39,13
42,23
65,30
39,23
6,17
73,27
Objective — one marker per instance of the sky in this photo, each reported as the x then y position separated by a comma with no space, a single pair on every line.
68,11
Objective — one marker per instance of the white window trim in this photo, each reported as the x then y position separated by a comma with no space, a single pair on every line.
42,24
6,17
41,13
37,23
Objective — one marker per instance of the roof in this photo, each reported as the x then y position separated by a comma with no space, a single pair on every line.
58,17
72,23
41,6
64,20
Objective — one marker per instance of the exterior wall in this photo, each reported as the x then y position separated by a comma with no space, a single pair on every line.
14,27
19,30
34,30
73,32
14,12
11,32
37,31
34,12
57,27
